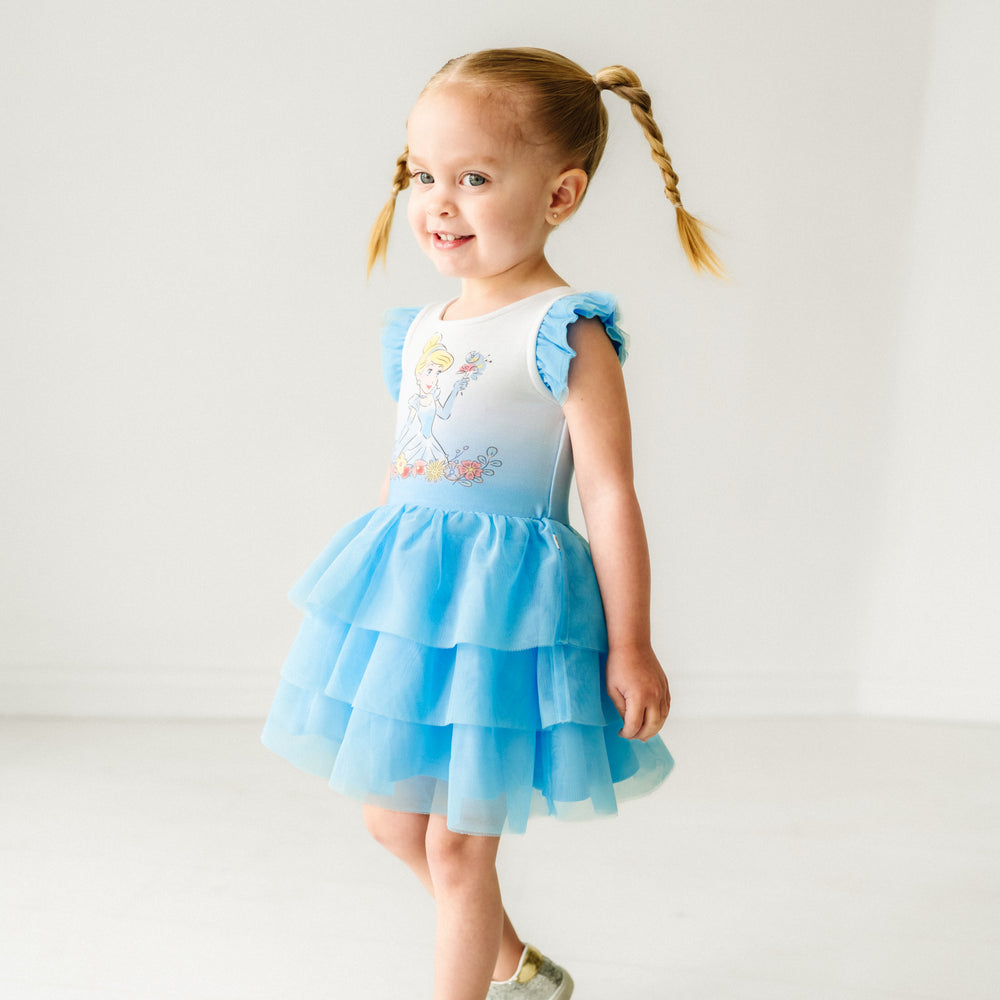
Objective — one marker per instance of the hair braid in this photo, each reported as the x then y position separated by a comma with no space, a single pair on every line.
626,85
378,242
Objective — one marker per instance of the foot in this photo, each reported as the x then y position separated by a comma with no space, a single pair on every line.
536,978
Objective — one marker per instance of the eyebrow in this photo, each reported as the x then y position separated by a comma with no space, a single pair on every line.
486,160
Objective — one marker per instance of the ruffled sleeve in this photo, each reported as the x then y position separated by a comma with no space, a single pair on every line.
552,351
394,328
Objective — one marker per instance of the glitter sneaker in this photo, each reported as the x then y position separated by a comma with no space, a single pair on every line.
537,978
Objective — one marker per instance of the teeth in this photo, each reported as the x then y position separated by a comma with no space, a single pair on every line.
448,237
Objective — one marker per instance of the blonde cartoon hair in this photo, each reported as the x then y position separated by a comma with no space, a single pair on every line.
433,354
568,111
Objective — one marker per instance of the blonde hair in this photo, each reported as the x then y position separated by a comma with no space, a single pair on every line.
568,111
435,354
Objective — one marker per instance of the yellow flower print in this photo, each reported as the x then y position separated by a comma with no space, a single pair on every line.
435,470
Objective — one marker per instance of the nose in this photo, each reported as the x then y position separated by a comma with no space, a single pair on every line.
440,203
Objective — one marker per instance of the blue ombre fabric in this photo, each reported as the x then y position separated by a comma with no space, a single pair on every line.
451,657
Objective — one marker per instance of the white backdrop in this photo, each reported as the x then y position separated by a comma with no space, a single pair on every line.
192,401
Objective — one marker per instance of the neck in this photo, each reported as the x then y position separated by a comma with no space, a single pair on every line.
484,295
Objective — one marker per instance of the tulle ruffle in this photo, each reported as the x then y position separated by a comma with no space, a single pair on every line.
432,675
484,780
552,351
466,684
395,325
443,577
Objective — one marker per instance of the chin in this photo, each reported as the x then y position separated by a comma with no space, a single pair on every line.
452,269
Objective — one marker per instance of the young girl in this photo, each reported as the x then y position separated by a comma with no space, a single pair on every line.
466,659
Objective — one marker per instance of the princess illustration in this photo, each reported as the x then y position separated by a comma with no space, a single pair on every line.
416,442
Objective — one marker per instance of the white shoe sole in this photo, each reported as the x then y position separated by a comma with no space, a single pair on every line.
565,990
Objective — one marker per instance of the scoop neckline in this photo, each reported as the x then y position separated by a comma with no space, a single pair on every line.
439,309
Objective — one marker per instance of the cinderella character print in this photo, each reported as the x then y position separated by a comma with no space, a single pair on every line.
417,451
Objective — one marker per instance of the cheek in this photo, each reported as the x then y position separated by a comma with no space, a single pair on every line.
414,215
521,226
506,223
524,217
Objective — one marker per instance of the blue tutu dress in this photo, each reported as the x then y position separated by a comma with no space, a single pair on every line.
452,652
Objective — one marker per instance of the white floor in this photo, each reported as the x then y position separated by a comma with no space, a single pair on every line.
810,858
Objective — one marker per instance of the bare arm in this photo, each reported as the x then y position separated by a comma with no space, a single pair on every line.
383,493
597,416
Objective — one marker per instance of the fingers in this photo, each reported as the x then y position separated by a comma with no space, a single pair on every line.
619,699
642,722
633,718
640,692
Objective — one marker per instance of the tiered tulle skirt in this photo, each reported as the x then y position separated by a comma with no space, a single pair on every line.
452,662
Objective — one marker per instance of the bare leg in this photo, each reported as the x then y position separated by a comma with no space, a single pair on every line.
469,911
511,948
405,835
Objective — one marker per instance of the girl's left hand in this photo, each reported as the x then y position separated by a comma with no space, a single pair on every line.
638,687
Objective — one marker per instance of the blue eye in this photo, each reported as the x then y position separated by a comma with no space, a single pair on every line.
474,180
422,177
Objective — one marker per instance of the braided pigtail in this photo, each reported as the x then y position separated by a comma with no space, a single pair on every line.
626,85
378,242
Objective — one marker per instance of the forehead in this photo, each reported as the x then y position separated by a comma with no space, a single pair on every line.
461,121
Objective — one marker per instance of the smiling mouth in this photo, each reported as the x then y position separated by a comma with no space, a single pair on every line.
448,241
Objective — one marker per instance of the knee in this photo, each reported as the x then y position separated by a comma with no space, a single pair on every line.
401,834
457,859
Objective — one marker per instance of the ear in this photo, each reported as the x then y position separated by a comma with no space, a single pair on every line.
566,195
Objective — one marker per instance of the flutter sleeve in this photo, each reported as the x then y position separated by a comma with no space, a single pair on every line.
394,327
552,351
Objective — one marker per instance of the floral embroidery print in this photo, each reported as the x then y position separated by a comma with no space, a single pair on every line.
463,471
434,471
417,451
474,364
